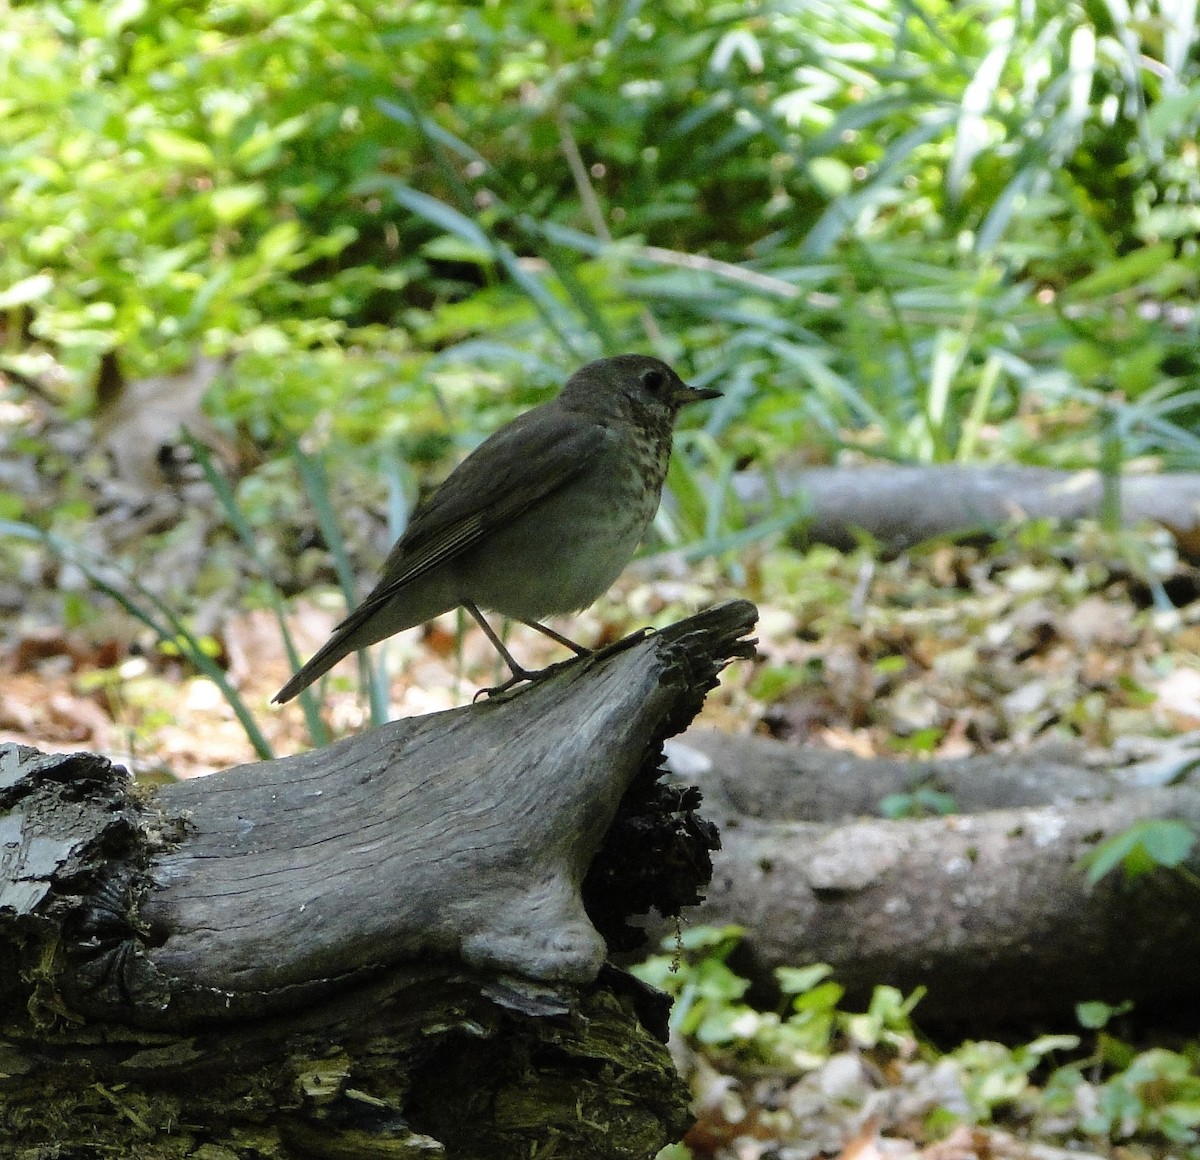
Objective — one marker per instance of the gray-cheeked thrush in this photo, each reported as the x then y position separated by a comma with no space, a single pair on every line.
538,520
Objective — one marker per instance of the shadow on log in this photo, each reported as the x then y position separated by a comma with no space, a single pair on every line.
394,946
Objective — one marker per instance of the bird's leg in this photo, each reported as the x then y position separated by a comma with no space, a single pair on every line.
520,673
566,642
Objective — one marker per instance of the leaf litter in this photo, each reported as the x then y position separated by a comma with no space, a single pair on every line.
946,651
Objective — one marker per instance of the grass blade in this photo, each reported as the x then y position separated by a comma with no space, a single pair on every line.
233,514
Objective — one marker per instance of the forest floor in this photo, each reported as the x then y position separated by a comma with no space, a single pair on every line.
947,651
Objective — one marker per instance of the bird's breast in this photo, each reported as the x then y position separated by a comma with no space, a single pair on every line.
566,550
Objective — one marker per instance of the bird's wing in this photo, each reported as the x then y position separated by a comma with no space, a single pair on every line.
523,462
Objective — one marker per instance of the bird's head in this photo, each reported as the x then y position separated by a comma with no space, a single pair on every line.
631,384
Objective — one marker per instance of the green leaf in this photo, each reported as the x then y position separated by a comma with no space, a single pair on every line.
725,1024
832,177
1169,841
279,242
1045,1044
921,741
714,980
231,203
823,997
27,290
172,146
121,14
262,148
439,214
699,938
1141,848
796,980
774,682
1109,855
1096,1015
1171,114
1123,273
448,248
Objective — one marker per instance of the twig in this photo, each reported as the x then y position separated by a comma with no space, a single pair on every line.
764,282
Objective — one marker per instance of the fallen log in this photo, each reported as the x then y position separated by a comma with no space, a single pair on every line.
901,506
988,908
394,946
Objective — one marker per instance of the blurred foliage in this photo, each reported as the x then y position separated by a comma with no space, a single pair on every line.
929,229
1145,846
807,1054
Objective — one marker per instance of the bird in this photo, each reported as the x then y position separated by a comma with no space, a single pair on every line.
537,521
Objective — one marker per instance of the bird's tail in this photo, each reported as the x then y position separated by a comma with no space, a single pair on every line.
333,650
382,614
367,624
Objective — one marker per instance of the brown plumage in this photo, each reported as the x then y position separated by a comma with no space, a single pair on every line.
538,520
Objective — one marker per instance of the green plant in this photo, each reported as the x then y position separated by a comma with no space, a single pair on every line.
1145,846
709,1009
1051,1088
924,802
908,228
165,623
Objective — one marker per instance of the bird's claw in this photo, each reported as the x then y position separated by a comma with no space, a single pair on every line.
518,676
495,690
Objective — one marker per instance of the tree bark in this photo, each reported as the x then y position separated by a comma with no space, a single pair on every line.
987,908
901,506
394,946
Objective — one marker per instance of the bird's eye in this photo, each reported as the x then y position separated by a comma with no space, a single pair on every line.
653,380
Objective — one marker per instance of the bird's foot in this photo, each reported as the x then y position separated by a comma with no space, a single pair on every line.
522,675
519,676
515,679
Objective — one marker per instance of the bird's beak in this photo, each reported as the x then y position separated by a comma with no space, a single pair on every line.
683,394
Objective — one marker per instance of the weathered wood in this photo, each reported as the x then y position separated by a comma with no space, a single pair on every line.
423,1064
478,825
398,940
988,909
761,777
900,506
